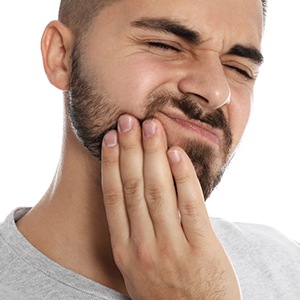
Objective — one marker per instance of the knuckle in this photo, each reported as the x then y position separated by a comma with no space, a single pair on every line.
154,192
128,146
189,209
144,256
183,178
197,224
157,203
131,187
109,161
111,197
119,257
150,149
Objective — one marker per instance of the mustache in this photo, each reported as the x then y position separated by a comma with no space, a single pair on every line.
191,108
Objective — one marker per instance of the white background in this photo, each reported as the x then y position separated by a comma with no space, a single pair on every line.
261,184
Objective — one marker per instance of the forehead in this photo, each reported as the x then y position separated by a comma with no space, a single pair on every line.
218,21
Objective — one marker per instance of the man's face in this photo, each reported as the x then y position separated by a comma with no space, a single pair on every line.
190,64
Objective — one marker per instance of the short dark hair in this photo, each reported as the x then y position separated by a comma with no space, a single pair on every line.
78,15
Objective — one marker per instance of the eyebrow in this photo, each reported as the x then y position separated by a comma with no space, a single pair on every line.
168,26
250,52
193,37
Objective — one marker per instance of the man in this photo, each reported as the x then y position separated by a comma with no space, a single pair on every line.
157,96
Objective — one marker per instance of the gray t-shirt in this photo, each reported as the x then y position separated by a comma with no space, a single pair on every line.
267,265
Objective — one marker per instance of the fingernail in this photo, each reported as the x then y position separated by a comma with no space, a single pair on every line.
149,128
125,123
174,156
111,139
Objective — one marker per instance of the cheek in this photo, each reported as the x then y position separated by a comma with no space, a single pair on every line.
129,83
238,114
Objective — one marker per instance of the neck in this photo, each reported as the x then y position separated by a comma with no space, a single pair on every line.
71,219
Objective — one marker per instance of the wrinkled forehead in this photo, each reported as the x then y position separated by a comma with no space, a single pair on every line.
213,19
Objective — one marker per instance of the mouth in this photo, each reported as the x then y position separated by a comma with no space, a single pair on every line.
195,127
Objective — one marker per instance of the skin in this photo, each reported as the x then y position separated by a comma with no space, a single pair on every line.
119,216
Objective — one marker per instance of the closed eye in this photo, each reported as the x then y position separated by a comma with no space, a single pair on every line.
240,72
162,46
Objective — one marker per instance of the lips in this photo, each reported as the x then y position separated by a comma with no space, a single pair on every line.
196,127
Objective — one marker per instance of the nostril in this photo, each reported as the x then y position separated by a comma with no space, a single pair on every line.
214,102
199,98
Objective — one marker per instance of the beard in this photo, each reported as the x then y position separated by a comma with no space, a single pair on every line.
92,114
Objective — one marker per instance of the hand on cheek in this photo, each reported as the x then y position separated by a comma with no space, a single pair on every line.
159,255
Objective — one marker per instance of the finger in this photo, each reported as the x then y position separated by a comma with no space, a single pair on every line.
131,166
112,189
160,192
194,216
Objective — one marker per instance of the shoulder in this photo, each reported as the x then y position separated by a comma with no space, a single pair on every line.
253,235
267,263
8,261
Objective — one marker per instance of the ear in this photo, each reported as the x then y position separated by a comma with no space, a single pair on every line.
56,46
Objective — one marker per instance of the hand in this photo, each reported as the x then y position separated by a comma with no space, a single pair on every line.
160,255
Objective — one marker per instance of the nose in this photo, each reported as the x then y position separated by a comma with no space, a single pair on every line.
204,79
